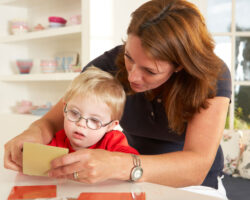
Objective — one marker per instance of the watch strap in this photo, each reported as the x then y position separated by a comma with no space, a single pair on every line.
136,160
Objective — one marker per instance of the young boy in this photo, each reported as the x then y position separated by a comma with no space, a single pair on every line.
94,104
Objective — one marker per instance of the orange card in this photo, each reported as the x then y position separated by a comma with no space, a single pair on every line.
32,192
111,196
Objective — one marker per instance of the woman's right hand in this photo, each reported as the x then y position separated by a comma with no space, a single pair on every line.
13,148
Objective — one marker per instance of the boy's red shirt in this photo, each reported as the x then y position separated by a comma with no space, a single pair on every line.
112,141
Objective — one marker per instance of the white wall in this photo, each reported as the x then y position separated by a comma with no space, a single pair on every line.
124,8
110,19
122,12
201,4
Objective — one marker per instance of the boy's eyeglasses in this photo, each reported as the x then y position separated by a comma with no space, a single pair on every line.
91,123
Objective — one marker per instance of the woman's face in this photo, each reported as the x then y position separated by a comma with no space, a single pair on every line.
144,73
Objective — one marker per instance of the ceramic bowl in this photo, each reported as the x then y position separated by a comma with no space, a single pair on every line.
55,24
57,19
39,111
75,68
19,27
24,65
23,107
75,19
48,66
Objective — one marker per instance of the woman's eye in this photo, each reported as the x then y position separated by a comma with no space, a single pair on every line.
150,72
128,57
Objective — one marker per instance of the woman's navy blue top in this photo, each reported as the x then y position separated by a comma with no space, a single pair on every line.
145,123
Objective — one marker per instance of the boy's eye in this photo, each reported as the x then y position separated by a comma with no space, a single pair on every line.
74,113
94,120
94,123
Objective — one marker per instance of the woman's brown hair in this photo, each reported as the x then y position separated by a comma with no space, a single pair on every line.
175,31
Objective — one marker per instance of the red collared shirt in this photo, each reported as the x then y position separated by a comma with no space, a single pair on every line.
112,141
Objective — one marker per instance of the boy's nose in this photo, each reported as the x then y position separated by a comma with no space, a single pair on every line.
82,122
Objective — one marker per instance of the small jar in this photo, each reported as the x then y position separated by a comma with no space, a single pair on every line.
48,66
75,19
19,27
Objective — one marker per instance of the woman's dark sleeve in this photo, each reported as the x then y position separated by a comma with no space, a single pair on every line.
106,61
224,85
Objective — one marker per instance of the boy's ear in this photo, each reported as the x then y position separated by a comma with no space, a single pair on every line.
113,125
64,104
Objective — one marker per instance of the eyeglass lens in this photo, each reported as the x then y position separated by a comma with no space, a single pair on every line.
92,123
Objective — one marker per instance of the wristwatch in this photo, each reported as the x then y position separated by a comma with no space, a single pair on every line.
137,171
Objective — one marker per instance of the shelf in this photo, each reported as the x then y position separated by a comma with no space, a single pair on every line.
37,86
21,3
39,77
10,2
17,123
48,33
16,115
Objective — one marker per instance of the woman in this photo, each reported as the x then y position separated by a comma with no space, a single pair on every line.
178,96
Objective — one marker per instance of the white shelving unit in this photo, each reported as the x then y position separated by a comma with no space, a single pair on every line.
38,87
108,19
64,32
39,77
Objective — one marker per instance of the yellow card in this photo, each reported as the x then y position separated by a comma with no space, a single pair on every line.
37,158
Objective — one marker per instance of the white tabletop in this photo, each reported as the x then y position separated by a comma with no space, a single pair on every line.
65,188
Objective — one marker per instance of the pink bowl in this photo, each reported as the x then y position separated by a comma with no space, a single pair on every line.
57,19
18,27
75,19
24,66
48,66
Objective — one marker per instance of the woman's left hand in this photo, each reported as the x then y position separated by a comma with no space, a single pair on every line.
89,166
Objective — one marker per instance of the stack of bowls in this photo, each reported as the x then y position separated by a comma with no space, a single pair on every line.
75,19
75,68
55,22
24,65
48,66
19,27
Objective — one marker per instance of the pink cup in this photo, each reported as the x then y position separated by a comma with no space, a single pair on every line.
75,19
24,65
48,66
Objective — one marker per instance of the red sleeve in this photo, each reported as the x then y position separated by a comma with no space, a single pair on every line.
52,142
115,141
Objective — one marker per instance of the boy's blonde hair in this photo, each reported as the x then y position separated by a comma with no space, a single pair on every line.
103,86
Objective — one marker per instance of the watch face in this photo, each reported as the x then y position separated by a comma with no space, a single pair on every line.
136,173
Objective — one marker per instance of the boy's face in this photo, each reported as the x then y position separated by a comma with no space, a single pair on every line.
79,134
